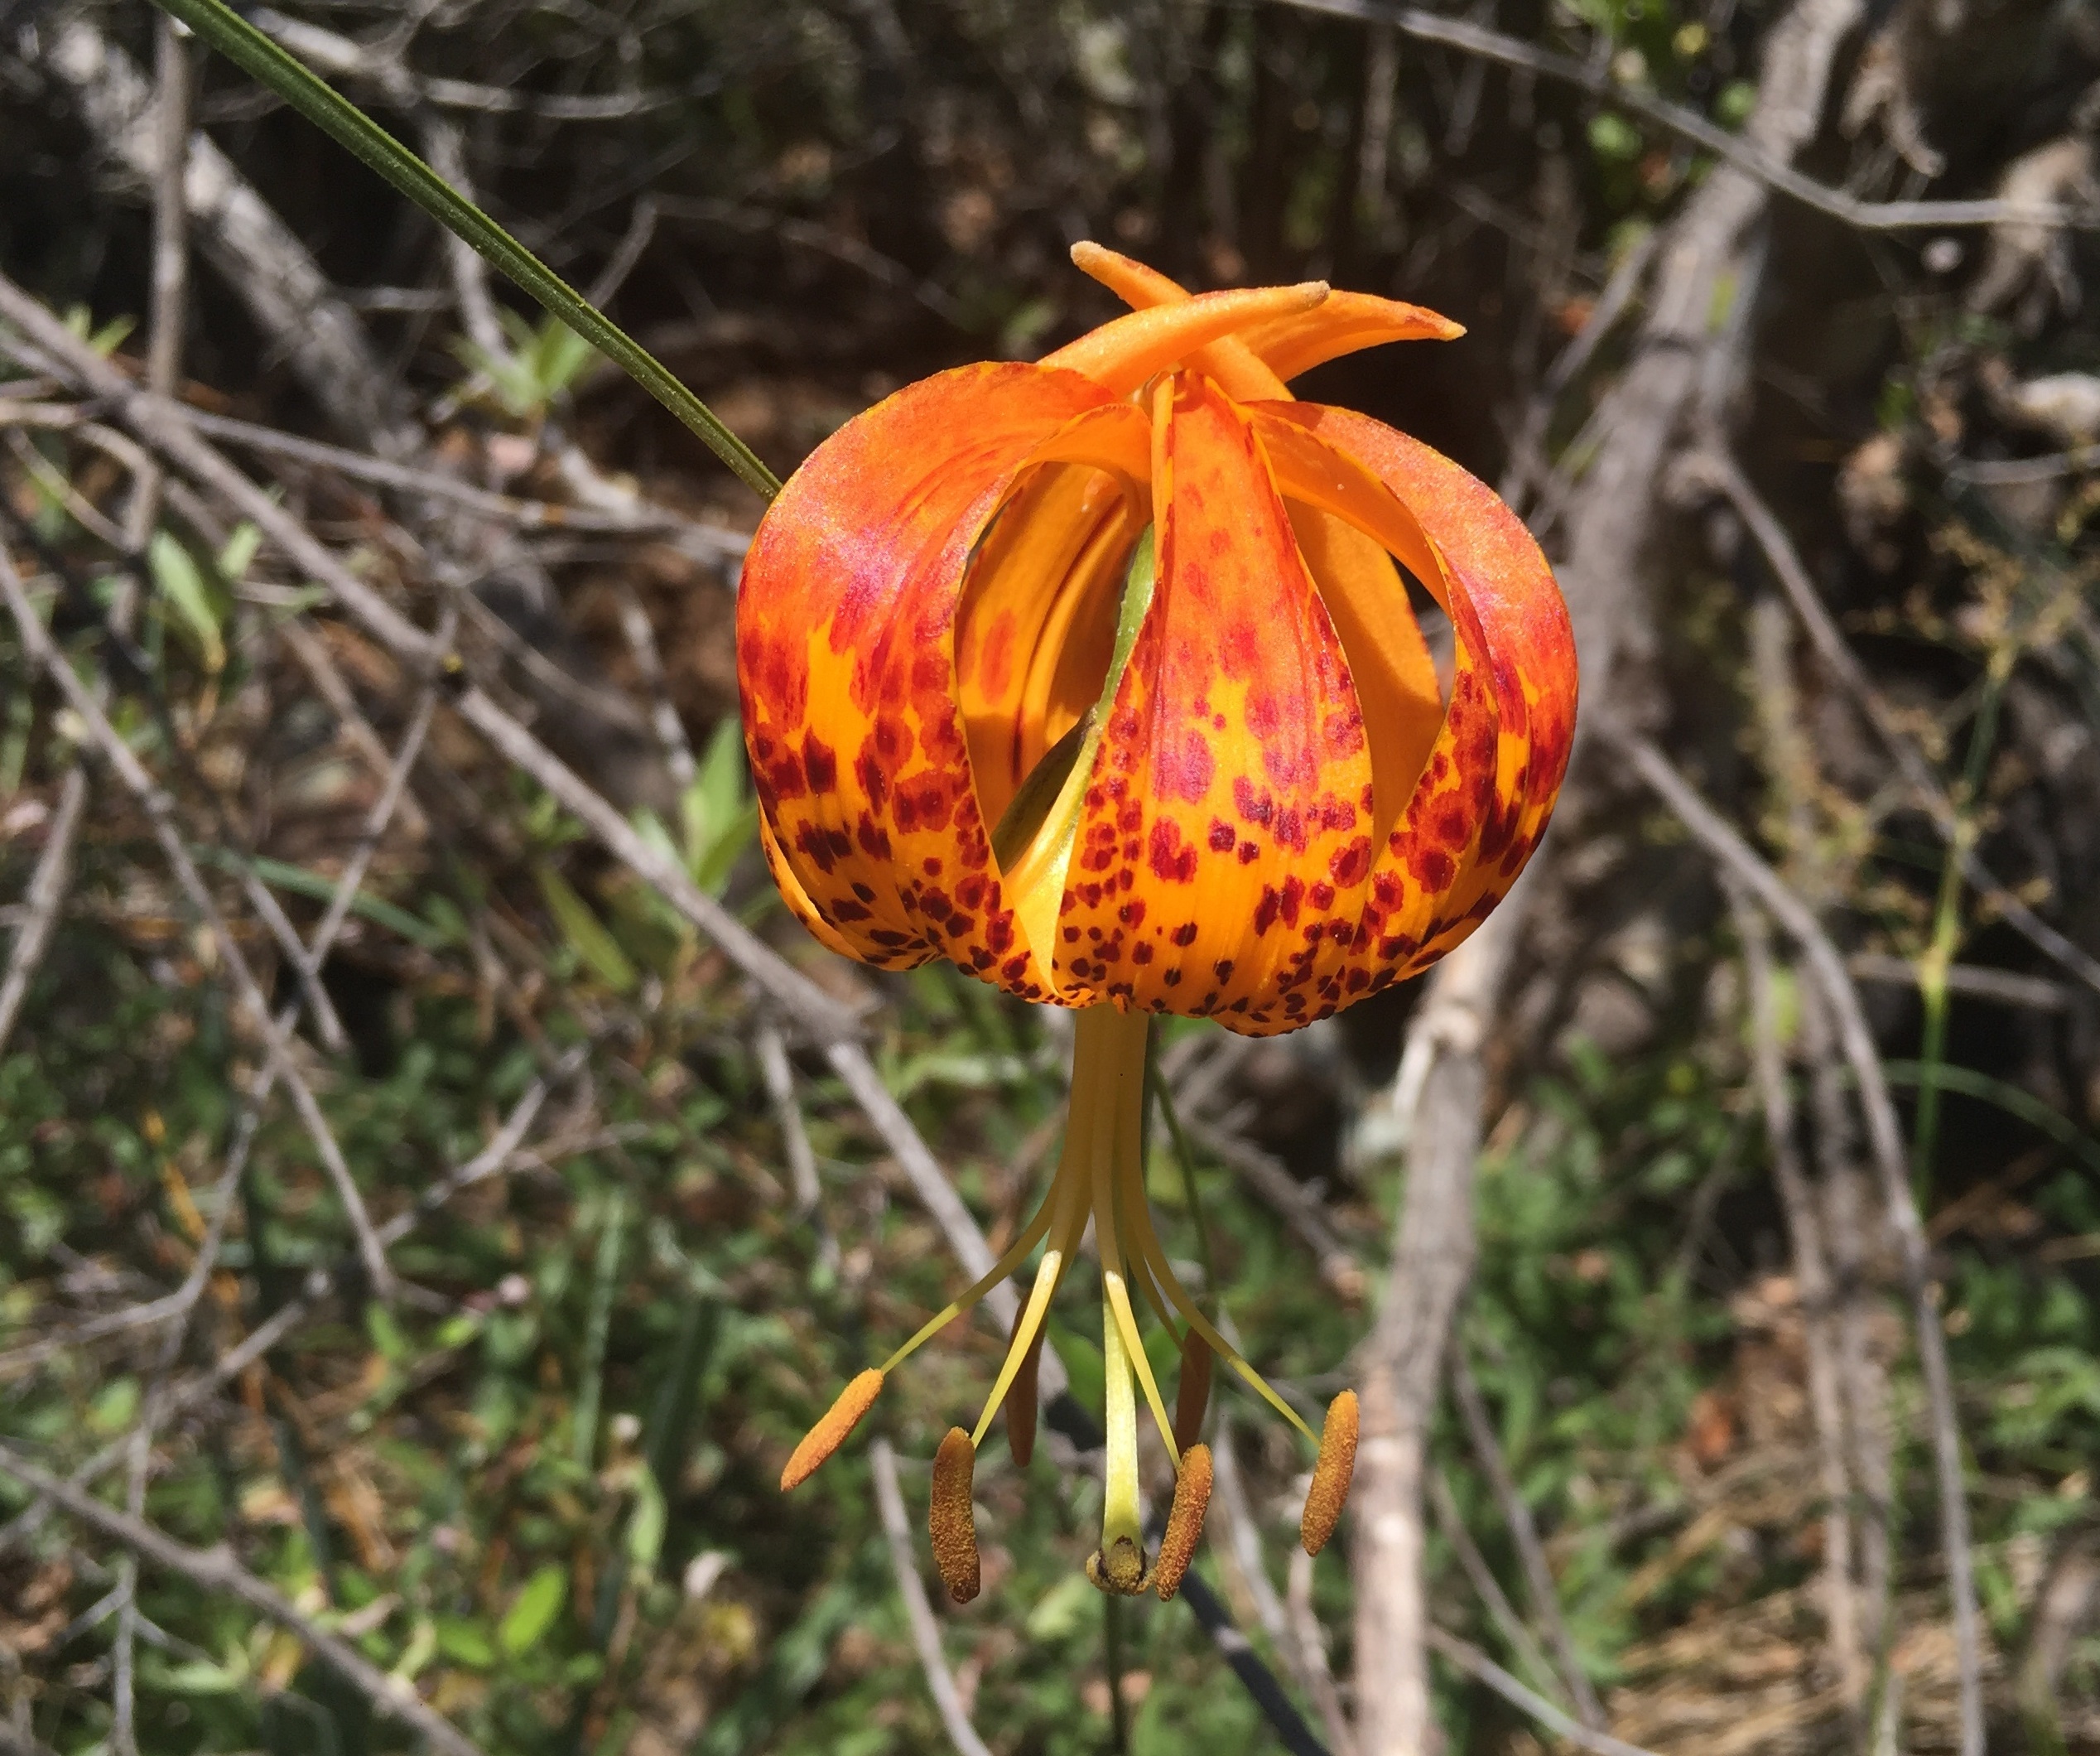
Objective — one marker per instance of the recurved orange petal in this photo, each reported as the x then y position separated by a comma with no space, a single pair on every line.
1229,359
1226,833
1295,341
1121,355
1488,788
845,658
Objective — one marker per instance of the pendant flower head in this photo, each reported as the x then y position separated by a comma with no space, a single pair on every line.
1099,677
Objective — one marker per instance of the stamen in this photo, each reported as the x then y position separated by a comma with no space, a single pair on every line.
1193,1394
1020,1403
951,1521
1337,1462
1016,1254
1025,1347
1185,1521
1148,1245
829,1433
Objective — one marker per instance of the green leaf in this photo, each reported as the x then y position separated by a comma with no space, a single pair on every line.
467,1643
182,584
200,1676
645,1527
721,816
1613,138
297,879
238,554
585,933
526,1623
388,1341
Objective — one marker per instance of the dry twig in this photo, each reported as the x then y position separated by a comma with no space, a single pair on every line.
160,812
215,1569
918,1609
43,899
1856,1041
1538,1578
1745,154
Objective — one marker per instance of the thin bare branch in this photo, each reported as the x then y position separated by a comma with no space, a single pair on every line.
43,901
716,541
1478,1666
918,1610
1857,1041
215,1569
1298,1208
160,811
1487,1587
1714,468
1310,1641
1598,78
1524,1532
1812,1278
663,716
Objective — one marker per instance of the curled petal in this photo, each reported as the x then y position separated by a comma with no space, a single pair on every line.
1496,567
1226,831
1229,359
1296,341
1485,794
1121,355
1036,616
1388,660
845,656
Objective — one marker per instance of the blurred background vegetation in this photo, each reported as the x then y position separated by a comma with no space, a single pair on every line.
537,1485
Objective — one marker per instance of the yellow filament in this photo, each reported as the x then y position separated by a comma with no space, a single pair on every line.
1072,1221
1031,1235
1148,1246
1192,1392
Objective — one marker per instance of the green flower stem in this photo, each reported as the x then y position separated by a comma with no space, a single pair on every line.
255,54
1947,929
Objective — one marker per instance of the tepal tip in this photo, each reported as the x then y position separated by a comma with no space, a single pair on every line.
952,1521
829,1433
1338,1461
1185,1521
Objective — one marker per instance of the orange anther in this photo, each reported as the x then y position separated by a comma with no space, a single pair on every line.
1185,1521
952,1520
829,1433
1338,1461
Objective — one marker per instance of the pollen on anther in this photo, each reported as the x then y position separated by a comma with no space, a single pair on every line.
1185,1521
951,1521
829,1433
1338,1461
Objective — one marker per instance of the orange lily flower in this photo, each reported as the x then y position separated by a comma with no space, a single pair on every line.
1099,677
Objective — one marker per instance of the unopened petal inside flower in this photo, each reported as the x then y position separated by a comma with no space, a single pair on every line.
1102,678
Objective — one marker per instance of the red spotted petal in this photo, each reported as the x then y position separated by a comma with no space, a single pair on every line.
846,657
1226,833
1484,799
